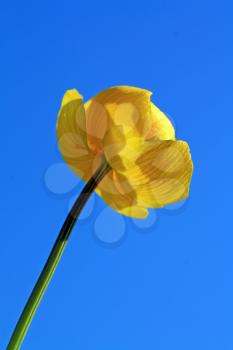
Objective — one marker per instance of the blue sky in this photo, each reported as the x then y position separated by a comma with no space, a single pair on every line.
166,287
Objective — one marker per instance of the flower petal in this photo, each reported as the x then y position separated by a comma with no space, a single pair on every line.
71,134
70,96
135,212
160,126
116,191
162,174
124,105
122,146
96,125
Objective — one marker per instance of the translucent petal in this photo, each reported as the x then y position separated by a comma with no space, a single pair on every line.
97,121
160,126
122,105
71,133
162,174
116,191
122,147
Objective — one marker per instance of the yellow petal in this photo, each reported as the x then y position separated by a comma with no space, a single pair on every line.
122,146
160,126
123,105
162,174
135,212
115,190
71,95
71,117
71,133
96,125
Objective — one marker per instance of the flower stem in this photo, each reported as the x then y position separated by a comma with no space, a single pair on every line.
53,259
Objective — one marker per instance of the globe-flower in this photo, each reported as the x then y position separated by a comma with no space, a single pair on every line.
125,149
121,126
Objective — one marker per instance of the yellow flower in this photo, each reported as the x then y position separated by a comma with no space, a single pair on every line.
121,126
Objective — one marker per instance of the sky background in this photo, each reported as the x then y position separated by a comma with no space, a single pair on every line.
168,285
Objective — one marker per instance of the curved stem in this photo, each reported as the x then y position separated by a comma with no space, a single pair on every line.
53,259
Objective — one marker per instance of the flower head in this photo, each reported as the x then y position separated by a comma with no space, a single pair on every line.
121,126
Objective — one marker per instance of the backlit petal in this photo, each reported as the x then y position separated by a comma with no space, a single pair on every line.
116,191
135,212
97,121
160,126
122,146
162,174
71,133
123,105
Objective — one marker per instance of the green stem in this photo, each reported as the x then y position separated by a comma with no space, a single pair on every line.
52,261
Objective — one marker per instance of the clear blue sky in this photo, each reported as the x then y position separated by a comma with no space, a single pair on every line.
163,288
